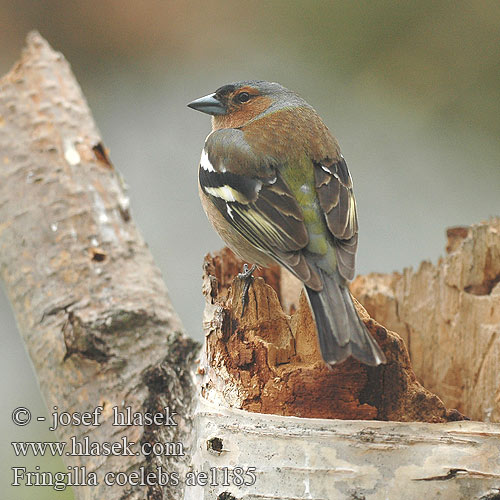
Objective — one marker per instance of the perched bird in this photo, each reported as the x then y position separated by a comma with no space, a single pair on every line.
276,188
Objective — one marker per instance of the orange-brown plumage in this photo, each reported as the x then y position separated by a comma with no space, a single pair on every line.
239,116
290,131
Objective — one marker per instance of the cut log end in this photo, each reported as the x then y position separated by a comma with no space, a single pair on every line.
269,362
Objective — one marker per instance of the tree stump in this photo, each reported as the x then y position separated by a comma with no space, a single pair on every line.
449,316
266,361
262,367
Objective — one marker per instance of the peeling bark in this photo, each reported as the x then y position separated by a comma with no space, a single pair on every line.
89,302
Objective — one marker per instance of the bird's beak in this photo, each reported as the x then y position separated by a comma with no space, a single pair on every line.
208,104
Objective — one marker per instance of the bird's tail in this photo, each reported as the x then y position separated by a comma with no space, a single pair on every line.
341,332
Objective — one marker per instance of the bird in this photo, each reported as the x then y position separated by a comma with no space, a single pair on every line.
276,187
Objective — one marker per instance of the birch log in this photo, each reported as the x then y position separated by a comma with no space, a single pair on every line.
316,459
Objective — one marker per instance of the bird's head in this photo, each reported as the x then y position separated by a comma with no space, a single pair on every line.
236,104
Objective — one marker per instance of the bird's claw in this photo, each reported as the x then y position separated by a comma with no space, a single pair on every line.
247,277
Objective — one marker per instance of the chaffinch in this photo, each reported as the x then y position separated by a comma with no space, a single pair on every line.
276,188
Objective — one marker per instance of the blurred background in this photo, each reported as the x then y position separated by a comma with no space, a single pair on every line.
410,89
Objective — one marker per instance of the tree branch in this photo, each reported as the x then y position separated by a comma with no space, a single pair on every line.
89,302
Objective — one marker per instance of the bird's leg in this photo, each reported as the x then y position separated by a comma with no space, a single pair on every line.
247,277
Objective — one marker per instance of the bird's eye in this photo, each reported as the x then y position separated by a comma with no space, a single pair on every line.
243,96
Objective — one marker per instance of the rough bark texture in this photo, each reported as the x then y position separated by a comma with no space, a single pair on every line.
89,302
266,361
449,316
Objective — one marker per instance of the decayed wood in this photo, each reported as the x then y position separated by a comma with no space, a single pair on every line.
449,316
265,361
89,302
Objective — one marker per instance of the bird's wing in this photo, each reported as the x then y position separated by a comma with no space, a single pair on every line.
250,194
336,199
